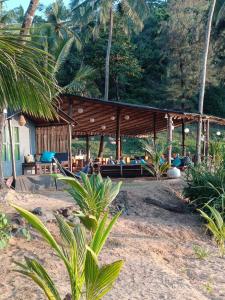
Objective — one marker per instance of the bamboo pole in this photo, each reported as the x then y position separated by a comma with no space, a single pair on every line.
207,140
101,146
118,137
87,149
154,129
70,147
169,137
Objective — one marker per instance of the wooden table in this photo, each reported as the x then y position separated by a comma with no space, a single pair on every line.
39,166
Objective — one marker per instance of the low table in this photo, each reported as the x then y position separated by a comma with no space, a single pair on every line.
29,166
39,166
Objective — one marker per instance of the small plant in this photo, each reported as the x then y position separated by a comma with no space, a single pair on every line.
208,287
156,152
5,231
88,280
200,252
215,224
93,196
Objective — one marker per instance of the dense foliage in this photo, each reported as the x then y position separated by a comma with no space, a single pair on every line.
157,64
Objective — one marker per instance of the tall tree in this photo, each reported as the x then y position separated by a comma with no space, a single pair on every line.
102,12
203,79
29,16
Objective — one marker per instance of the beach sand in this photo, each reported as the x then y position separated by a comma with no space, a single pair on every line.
156,245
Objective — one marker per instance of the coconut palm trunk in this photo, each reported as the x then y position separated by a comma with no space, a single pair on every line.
107,60
29,16
203,81
2,122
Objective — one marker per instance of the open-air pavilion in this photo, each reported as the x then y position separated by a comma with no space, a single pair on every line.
110,118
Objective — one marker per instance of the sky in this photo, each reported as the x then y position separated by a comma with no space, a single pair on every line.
14,3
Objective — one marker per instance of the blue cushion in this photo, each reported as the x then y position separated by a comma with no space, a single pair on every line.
47,156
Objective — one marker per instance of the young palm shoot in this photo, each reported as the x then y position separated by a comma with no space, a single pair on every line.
80,257
216,226
93,196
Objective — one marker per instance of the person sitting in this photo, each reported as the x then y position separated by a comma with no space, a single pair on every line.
188,160
87,168
110,161
176,160
162,160
143,162
122,161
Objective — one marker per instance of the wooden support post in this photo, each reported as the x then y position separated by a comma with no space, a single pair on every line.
204,142
207,140
12,150
183,139
170,137
87,149
118,137
101,146
70,166
154,128
121,146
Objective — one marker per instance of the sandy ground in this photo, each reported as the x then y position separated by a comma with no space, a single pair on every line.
156,245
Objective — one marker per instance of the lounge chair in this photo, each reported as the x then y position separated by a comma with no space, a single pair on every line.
64,172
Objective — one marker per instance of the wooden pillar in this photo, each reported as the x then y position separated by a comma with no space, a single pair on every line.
118,137
70,166
12,150
183,139
207,139
121,146
70,107
87,149
101,146
169,137
154,128
204,142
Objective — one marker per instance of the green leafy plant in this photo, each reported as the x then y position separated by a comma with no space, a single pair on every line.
215,224
5,231
200,252
205,186
156,153
88,279
93,196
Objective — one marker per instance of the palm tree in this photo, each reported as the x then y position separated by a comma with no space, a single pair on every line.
203,79
24,83
29,16
102,12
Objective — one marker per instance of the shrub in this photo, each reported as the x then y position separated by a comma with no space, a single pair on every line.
156,153
5,231
205,186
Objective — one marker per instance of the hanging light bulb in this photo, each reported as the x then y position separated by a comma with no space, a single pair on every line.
22,121
186,130
80,110
113,118
103,127
172,127
218,133
92,120
127,117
